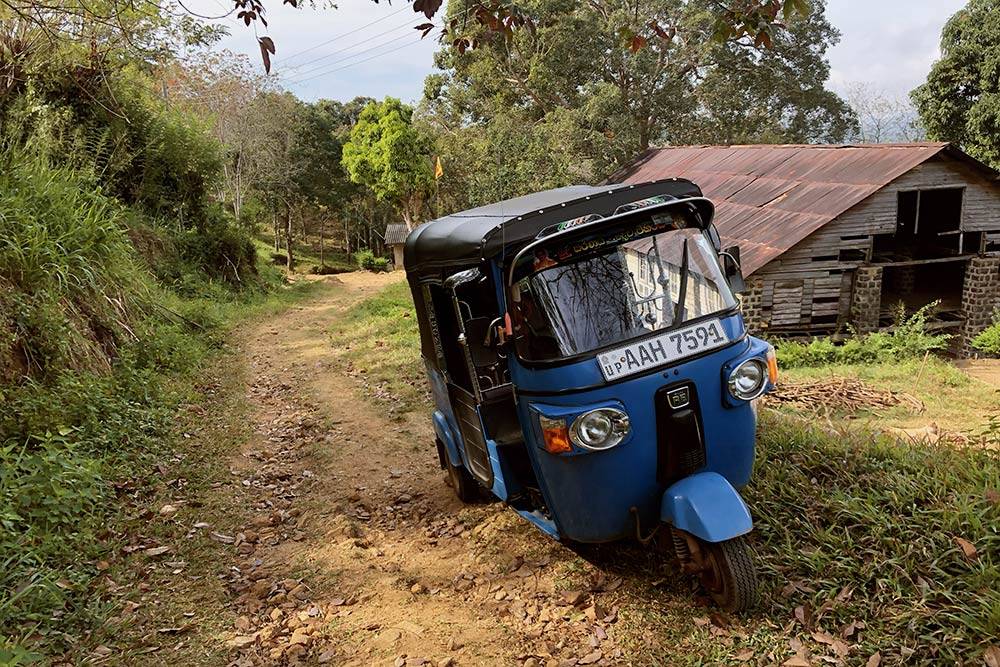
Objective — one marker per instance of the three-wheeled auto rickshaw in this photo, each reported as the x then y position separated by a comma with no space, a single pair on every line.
590,368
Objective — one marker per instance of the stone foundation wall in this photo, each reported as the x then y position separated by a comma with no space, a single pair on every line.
866,298
980,298
752,305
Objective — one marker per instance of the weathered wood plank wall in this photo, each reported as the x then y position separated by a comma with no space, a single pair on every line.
808,288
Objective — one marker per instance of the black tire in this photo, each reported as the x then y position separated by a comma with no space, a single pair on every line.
730,576
462,483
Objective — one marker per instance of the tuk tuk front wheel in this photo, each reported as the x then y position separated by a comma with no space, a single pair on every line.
462,483
728,574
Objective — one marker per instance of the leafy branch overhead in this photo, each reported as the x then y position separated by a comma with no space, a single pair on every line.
755,19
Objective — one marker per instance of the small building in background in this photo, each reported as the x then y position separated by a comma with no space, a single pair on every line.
395,237
838,235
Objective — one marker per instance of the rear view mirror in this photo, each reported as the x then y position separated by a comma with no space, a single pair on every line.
734,271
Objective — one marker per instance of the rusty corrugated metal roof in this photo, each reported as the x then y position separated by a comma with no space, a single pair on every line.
395,234
770,197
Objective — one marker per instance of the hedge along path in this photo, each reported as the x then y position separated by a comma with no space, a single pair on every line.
338,542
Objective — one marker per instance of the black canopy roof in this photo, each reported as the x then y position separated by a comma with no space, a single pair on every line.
469,237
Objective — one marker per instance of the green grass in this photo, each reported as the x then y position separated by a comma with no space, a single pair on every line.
878,519
379,341
952,399
306,254
96,356
850,528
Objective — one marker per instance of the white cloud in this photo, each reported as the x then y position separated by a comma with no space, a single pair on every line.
890,44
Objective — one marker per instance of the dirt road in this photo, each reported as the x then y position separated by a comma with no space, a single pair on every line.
357,553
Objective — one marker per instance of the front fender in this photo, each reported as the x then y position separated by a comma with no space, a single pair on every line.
444,434
707,506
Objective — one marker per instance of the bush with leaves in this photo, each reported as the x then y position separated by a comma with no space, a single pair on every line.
988,340
70,287
365,259
907,340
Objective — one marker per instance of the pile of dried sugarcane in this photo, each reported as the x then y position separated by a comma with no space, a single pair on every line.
840,394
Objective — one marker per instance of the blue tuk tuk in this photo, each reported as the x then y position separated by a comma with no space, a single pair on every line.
590,368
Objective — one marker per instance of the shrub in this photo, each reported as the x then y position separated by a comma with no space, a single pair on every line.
907,340
988,340
380,265
70,287
365,259
221,250
327,270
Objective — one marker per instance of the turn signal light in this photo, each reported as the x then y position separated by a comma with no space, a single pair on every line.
555,433
772,365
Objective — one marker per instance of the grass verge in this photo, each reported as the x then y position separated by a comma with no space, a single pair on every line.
83,454
952,399
378,340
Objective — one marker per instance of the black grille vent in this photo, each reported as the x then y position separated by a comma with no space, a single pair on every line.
680,446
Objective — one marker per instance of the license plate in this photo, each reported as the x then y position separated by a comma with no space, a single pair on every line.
662,349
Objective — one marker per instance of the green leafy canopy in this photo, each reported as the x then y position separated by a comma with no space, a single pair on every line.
389,155
960,101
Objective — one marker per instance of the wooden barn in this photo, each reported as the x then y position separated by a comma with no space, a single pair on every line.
838,234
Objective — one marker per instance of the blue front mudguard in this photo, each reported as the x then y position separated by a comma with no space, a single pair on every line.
707,506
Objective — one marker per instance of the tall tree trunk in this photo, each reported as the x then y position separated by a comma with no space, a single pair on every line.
277,232
322,228
407,218
290,263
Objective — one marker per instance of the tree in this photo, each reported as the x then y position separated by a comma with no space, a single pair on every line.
882,118
623,96
960,101
390,156
757,20
221,88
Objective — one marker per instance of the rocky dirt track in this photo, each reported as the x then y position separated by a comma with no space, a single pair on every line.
358,553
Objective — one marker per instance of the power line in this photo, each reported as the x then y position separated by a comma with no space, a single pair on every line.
408,24
349,32
337,69
352,56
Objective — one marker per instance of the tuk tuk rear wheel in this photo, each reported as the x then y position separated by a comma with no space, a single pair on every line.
729,574
462,483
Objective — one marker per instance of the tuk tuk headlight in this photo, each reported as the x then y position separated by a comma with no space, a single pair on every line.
748,380
599,429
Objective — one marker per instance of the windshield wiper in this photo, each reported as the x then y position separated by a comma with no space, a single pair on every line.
680,315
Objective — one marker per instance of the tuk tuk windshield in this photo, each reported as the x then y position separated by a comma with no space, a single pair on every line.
620,292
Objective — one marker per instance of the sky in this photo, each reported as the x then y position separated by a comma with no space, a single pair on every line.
364,48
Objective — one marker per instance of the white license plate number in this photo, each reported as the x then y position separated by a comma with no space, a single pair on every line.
662,349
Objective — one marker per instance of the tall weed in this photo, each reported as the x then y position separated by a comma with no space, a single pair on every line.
907,340
70,288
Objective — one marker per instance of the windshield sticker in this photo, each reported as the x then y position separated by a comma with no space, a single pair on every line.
568,224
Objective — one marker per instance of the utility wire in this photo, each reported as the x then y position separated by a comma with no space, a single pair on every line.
297,75
349,32
408,24
337,69
351,56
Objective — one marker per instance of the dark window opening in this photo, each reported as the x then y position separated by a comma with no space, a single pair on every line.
827,299
825,258
825,319
852,255
928,225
